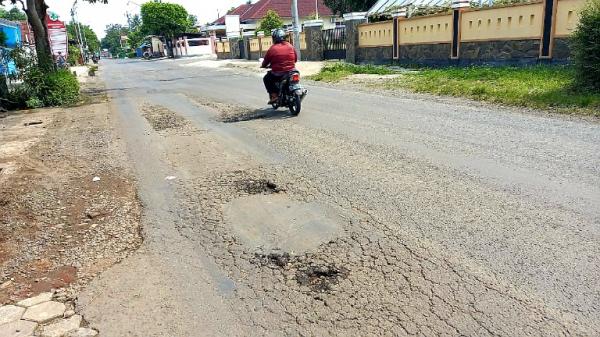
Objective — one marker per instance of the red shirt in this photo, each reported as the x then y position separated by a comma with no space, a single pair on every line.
281,57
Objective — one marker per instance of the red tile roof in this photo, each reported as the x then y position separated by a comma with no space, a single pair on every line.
283,7
240,10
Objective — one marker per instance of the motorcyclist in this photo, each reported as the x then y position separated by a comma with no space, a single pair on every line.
281,58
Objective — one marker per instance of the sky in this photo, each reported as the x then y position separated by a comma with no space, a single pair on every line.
98,15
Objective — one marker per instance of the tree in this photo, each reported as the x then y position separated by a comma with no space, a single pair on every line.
135,34
36,16
270,22
14,14
89,36
348,6
192,22
112,39
166,19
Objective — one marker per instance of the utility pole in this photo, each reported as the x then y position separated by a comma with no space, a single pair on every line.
77,29
316,9
296,26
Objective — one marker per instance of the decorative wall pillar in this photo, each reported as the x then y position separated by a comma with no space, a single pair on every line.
245,52
398,15
548,29
458,6
352,20
314,40
261,36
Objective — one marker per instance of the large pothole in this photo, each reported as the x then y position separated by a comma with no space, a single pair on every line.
274,222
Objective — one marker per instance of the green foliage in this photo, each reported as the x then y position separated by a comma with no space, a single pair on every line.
429,10
14,14
34,103
38,88
161,18
74,55
537,86
334,72
112,39
89,36
347,6
586,47
135,35
60,88
270,22
191,25
92,70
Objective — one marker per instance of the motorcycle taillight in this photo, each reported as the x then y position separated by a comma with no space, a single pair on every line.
296,77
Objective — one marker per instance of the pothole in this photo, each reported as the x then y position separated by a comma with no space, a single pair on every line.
274,259
257,186
273,222
161,118
320,278
230,113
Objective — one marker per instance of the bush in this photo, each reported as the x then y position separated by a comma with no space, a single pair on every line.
60,87
74,56
586,47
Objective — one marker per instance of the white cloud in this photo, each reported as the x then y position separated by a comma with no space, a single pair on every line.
99,15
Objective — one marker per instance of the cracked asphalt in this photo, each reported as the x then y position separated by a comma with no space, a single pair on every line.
367,215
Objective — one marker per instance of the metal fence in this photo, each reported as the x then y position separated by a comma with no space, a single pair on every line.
334,43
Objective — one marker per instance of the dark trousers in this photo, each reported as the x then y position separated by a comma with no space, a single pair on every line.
271,81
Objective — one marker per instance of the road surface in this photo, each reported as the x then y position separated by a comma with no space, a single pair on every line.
367,215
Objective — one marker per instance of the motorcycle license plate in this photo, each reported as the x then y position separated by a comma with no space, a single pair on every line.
295,87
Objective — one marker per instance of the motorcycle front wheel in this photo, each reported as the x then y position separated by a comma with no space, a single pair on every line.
295,105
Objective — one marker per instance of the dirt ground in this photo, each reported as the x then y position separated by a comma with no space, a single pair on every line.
68,204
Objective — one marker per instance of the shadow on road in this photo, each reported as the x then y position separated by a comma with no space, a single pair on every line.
264,113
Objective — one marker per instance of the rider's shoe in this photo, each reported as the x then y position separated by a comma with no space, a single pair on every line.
274,98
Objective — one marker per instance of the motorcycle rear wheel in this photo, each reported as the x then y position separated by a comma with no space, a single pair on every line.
295,105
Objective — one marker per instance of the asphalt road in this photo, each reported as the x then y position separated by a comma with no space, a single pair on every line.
366,215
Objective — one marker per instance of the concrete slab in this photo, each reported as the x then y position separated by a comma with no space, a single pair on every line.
18,329
10,313
44,312
41,298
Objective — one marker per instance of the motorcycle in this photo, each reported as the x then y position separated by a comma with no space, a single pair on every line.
291,93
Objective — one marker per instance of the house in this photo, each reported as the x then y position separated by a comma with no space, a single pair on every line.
12,34
251,14
12,31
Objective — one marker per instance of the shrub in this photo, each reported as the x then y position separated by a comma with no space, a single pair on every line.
34,102
586,47
60,87
74,56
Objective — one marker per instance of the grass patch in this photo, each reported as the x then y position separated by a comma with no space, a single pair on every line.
337,71
541,86
536,87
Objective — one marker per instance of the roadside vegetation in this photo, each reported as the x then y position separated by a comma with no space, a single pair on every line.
539,86
567,89
337,71
586,46
34,88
